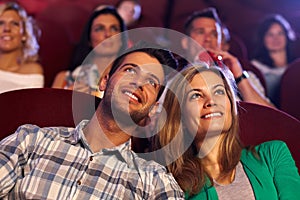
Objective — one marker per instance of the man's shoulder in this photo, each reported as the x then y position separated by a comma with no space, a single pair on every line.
28,130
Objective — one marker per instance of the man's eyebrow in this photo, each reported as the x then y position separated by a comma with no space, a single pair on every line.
135,65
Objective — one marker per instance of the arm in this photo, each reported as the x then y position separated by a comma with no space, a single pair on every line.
286,175
13,156
249,89
59,80
166,187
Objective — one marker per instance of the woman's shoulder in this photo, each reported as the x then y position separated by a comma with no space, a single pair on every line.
272,144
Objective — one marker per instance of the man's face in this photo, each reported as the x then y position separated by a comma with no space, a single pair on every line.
206,33
133,88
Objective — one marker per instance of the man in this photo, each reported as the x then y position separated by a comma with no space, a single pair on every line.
204,28
94,160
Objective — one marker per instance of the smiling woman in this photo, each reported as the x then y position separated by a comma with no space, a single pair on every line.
208,160
18,50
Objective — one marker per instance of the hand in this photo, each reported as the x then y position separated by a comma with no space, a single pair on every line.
230,61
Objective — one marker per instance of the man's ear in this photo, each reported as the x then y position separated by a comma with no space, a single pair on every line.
153,110
184,43
103,82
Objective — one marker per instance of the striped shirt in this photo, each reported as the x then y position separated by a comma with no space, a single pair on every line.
57,163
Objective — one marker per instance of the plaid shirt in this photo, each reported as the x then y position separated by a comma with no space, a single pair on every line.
57,163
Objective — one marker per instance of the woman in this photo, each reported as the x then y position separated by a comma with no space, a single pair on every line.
202,148
273,53
99,45
18,50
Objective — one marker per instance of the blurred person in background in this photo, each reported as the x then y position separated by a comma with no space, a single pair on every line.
19,67
130,11
204,28
99,48
273,52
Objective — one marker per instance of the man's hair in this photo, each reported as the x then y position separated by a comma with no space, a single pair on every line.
164,56
207,12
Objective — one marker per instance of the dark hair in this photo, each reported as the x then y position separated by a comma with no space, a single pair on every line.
83,48
209,12
261,52
165,57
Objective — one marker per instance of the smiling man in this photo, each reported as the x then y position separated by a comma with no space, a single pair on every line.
95,160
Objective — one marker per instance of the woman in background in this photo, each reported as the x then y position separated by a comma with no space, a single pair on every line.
202,149
273,53
19,47
98,47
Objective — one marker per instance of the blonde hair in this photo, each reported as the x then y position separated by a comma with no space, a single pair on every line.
187,168
31,31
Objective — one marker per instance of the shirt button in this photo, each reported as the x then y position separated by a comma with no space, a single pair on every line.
79,182
91,158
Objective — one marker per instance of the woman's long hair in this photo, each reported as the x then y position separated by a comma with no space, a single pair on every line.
31,32
187,167
261,52
84,47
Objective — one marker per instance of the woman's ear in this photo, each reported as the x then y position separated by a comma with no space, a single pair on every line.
103,82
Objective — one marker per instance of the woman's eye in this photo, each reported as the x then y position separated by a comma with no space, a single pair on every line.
195,96
115,29
220,92
99,28
15,23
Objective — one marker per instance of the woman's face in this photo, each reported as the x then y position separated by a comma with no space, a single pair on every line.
275,38
103,28
11,31
207,107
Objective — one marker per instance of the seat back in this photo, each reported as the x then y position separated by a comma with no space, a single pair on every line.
61,24
289,89
44,107
260,124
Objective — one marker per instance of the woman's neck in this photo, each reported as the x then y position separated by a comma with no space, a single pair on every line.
279,58
209,154
10,61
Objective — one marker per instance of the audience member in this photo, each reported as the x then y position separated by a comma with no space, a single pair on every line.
273,53
95,160
202,147
204,28
98,47
130,11
19,47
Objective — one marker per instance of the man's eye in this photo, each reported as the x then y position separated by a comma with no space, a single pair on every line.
130,70
152,83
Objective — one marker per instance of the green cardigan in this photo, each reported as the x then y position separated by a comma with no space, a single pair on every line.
273,176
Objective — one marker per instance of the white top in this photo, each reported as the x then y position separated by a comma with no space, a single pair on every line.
14,81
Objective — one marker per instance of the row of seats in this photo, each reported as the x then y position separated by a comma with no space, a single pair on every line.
58,107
